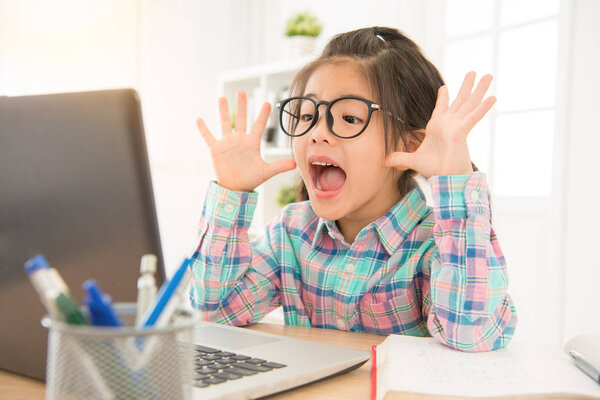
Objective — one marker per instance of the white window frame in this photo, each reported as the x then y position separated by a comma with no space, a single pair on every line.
552,207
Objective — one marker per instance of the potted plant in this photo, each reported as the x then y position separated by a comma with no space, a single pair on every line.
287,195
302,30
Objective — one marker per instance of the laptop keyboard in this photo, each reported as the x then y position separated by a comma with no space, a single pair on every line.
214,366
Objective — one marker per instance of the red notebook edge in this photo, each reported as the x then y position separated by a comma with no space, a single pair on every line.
374,372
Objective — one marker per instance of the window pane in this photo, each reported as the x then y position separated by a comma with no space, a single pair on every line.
468,16
523,154
479,145
466,55
514,12
527,67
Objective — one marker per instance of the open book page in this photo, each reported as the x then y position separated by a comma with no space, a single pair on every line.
423,365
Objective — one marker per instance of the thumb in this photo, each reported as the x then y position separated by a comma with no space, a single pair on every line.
279,166
400,160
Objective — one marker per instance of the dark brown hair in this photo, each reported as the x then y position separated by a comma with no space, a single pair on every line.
403,81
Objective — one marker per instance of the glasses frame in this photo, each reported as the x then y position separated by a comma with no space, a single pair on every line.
372,106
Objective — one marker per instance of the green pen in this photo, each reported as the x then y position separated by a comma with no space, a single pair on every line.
53,291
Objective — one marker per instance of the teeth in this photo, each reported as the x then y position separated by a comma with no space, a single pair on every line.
318,185
324,164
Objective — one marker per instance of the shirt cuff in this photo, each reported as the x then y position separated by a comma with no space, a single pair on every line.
227,207
459,196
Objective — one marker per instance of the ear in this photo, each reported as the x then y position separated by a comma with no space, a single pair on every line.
414,141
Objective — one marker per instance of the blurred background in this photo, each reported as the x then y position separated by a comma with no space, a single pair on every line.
538,145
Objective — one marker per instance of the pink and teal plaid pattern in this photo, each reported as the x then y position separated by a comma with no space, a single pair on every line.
414,271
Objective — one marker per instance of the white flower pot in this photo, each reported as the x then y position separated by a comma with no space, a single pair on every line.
301,46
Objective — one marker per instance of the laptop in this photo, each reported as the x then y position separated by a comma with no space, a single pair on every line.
266,363
75,185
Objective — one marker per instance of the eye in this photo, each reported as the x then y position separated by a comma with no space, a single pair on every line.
306,117
352,119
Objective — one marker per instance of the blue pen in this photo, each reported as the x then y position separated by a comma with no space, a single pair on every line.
103,314
100,305
163,307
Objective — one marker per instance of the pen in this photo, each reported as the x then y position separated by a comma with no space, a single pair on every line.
53,291
166,303
100,305
146,286
114,359
163,307
585,366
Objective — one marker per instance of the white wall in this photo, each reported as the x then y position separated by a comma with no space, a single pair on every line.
581,265
183,45
67,45
337,17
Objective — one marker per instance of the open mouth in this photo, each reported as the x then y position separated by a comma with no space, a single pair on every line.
327,177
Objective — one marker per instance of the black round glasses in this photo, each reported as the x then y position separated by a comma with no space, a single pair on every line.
346,117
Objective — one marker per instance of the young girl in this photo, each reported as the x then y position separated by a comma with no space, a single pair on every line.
364,253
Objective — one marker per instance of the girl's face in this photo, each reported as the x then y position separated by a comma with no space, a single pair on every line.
361,188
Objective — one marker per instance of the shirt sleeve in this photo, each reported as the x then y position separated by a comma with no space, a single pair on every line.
467,306
235,281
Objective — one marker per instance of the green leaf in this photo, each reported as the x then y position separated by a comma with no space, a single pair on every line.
303,24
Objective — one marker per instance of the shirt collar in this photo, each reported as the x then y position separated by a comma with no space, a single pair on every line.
392,228
326,227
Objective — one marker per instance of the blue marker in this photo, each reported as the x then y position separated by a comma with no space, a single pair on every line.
160,311
100,305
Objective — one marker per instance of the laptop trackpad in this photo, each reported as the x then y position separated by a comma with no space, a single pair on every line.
232,339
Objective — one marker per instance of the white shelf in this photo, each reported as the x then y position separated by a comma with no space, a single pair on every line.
257,71
265,83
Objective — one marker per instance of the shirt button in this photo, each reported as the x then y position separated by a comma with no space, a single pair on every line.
340,324
228,208
474,195
350,268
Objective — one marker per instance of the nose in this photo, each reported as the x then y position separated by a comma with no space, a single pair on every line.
320,132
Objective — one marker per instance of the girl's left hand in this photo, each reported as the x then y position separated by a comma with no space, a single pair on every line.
444,149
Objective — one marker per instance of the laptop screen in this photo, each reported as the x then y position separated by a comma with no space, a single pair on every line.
74,185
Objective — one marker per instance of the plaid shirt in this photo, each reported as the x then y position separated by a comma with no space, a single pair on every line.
414,271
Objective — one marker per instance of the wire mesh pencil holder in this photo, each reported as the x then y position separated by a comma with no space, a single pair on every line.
107,363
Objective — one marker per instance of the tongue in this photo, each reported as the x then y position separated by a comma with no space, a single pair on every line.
332,178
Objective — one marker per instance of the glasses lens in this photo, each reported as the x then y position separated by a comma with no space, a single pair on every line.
349,117
297,116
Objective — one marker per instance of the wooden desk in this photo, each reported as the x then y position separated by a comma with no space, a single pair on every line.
355,384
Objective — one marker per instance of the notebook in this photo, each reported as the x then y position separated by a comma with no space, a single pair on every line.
423,365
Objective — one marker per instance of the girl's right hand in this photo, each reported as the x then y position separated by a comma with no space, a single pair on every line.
236,156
